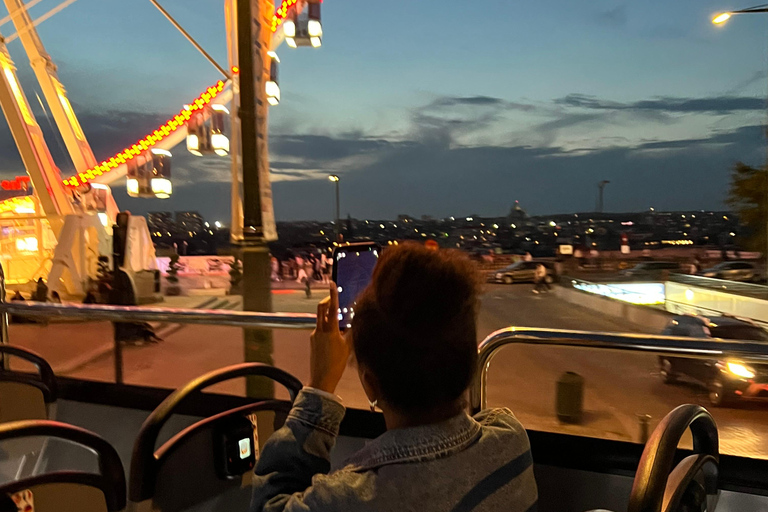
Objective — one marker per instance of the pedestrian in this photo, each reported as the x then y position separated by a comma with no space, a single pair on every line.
327,268
308,269
55,298
275,269
317,265
300,272
540,278
579,256
41,291
559,267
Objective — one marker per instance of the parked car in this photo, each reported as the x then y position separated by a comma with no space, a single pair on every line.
651,270
523,272
743,271
726,379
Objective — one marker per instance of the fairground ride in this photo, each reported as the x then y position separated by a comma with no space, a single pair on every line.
58,228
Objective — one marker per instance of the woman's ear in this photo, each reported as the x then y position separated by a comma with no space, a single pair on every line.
369,382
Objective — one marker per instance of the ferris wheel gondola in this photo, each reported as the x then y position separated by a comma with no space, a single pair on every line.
207,131
304,29
149,174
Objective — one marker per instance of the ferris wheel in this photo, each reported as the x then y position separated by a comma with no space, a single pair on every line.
50,220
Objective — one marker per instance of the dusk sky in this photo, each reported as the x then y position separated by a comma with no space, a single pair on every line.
438,107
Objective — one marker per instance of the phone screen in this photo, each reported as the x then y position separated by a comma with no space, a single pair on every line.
352,270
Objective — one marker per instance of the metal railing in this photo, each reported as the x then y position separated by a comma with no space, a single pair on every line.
98,312
666,345
662,345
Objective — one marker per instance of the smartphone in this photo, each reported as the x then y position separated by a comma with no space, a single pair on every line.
353,266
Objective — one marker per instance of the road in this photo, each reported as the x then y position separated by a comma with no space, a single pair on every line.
619,386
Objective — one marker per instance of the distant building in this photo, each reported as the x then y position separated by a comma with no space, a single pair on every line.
190,222
162,223
516,216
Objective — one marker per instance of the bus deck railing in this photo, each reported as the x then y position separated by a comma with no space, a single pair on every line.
661,345
488,348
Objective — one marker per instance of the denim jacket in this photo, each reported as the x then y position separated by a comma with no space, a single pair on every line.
479,464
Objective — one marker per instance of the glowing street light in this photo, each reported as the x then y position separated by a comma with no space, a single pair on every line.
722,18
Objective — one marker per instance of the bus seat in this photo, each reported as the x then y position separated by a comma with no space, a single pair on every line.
65,491
692,484
689,485
189,472
25,396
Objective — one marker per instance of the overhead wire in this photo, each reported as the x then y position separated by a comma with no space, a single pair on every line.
41,19
8,18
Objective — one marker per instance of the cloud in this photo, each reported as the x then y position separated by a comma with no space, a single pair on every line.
448,118
477,101
616,17
756,77
719,105
423,170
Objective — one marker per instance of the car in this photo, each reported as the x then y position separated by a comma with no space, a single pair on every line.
523,272
742,271
651,270
726,380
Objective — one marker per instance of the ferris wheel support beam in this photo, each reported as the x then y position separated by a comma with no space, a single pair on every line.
29,139
55,94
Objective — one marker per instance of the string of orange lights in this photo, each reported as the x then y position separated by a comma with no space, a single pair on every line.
24,203
171,125
150,140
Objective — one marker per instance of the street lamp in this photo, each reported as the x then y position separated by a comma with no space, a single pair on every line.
336,227
719,20
600,189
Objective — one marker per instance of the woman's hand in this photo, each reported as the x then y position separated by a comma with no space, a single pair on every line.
329,350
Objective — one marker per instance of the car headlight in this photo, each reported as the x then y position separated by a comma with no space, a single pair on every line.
740,370
499,276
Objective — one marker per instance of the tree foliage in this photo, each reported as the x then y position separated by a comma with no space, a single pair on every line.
748,197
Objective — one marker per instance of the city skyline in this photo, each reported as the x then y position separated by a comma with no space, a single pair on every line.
546,102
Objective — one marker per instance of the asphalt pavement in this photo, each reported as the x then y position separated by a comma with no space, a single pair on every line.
619,386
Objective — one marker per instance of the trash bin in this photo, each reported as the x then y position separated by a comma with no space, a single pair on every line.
569,398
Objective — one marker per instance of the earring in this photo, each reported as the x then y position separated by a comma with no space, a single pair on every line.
373,405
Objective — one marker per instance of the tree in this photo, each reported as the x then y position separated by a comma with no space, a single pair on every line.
235,277
173,287
748,197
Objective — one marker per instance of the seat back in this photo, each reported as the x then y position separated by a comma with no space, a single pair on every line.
26,396
66,490
188,477
660,485
187,472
